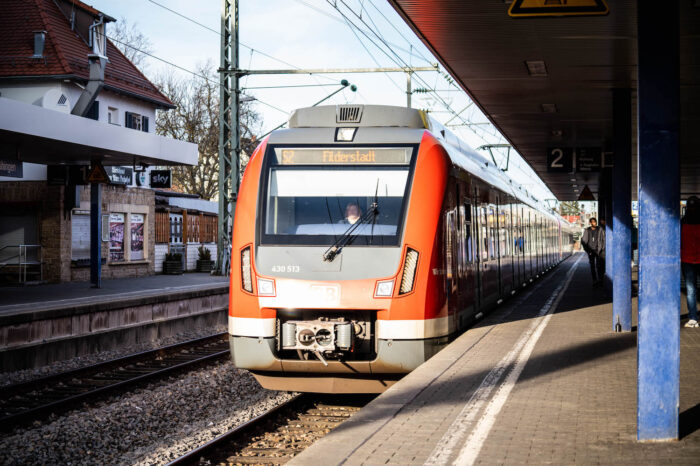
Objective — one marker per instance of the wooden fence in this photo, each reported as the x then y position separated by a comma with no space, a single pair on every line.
197,228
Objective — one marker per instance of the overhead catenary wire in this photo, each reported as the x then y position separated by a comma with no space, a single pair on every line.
340,20
467,123
193,73
418,78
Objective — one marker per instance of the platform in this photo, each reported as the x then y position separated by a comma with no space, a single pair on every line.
541,380
45,323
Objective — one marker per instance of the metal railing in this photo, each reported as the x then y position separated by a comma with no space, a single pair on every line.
24,261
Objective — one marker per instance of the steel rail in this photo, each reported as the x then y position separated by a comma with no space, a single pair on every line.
45,384
193,456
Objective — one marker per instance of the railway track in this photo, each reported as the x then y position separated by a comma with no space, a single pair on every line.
35,399
278,435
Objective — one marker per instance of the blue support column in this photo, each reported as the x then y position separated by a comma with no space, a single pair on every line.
620,254
609,228
658,338
95,235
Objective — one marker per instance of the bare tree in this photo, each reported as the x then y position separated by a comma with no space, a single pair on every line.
569,208
196,119
130,41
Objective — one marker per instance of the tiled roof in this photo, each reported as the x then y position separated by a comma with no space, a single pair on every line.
65,52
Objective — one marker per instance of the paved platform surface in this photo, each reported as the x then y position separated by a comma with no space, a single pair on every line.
541,380
15,300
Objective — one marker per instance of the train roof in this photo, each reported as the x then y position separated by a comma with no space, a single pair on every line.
378,116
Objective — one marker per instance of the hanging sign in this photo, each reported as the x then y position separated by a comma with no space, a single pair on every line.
537,8
588,159
120,175
161,178
11,168
560,159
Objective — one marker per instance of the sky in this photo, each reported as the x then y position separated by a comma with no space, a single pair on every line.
312,34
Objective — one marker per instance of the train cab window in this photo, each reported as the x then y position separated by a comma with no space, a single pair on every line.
314,205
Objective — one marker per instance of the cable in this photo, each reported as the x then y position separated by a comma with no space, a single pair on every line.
381,38
394,27
218,33
193,73
339,20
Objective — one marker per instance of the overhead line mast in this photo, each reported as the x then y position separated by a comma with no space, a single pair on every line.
229,131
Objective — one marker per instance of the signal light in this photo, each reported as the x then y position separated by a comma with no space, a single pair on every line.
410,266
246,271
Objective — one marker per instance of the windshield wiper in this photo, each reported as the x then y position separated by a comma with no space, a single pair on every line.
347,237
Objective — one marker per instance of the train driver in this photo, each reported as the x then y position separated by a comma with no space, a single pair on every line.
352,213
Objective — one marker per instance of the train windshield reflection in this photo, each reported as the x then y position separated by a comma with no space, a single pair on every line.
307,205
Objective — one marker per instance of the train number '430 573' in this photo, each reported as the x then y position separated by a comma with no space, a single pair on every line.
286,268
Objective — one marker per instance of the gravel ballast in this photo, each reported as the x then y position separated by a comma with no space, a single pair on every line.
8,378
151,425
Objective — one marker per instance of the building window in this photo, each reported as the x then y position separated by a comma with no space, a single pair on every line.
137,224
116,237
136,121
113,115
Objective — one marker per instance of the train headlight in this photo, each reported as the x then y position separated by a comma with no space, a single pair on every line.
246,271
345,134
384,289
410,266
266,287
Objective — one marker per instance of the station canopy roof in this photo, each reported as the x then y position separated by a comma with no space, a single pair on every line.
40,135
547,82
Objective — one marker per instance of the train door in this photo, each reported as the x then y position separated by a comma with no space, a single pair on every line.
489,255
538,244
529,244
520,244
477,235
505,247
451,252
467,286
498,245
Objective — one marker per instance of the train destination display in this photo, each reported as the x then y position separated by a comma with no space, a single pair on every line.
344,156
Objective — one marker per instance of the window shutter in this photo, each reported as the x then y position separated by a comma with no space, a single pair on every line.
128,120
144,124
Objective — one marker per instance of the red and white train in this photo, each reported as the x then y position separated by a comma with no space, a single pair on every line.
365,239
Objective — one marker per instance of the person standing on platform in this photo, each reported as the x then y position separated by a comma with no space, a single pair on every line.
593,242
690,256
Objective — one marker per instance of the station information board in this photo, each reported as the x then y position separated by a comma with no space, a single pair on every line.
344,156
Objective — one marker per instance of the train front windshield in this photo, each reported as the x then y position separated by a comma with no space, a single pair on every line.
312,196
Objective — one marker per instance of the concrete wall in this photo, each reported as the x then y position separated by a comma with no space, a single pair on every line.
36,338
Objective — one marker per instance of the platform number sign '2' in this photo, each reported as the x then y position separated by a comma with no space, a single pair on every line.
560,159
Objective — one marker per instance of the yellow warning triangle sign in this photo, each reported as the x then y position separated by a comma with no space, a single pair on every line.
534,8
97,174
586,194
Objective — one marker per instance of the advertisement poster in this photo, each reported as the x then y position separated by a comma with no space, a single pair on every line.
116,237
137,236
